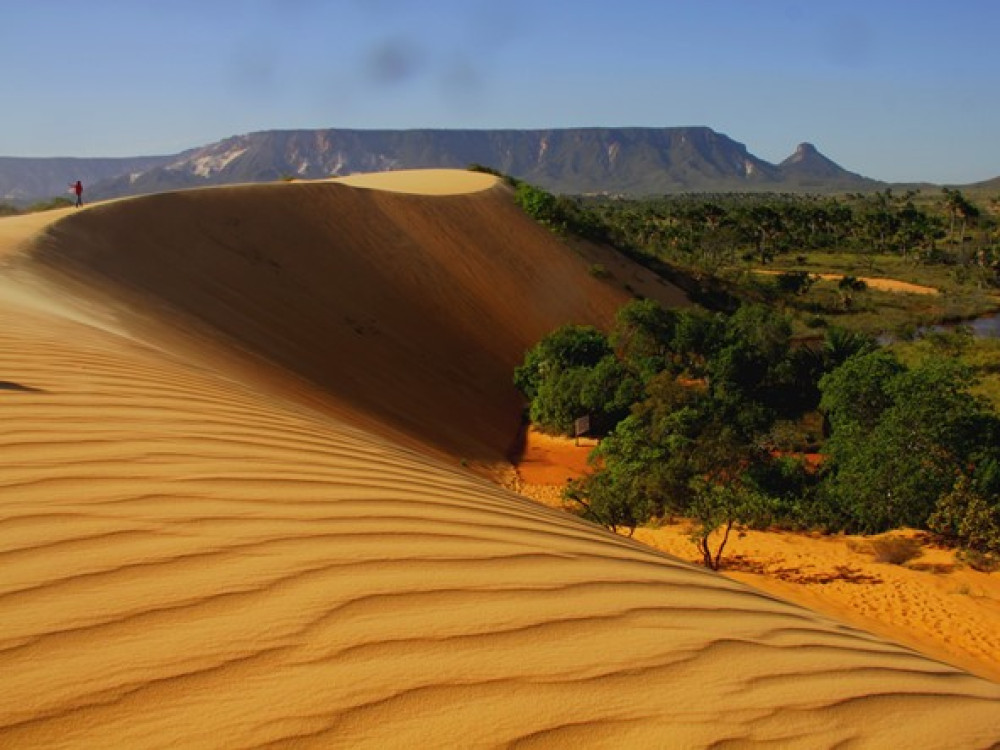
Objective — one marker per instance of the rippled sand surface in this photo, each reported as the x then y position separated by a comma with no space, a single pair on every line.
236,508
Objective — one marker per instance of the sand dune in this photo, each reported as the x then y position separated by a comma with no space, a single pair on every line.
231,511
339,286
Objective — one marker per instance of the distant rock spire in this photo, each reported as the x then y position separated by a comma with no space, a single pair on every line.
803,151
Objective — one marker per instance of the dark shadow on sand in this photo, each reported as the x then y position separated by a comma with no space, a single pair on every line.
9,385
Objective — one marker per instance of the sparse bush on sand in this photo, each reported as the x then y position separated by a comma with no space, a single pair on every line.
964,516
895,550
984,562
717,509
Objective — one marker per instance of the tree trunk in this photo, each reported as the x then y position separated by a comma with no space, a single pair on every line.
722,545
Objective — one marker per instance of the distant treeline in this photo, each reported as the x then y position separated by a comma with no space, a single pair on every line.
711,230
8,210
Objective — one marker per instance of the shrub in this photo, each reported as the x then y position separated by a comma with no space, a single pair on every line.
537,203
964,516
611,500
598,271
474,167
852,284
895,550
794,282
720,507
984,562
512,181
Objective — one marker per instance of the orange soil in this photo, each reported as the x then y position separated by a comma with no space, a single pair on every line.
932,603
551,460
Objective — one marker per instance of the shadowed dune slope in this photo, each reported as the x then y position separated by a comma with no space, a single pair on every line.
189,559
411,309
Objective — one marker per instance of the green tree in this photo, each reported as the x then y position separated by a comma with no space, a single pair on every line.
646,462
608,393
959,208
697,335
573,373
622,493
717,509
856,393
652,461
751,372
898,437
558,401
643,335
567,347
840,344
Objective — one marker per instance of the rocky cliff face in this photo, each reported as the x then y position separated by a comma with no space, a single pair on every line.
571,160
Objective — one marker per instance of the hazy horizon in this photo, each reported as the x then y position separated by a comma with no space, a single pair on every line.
894,91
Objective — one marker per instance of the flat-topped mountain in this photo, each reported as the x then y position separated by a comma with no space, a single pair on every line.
635,161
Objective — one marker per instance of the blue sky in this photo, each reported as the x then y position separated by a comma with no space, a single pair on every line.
897,90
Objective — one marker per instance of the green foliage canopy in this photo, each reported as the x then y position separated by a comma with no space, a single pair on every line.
900,438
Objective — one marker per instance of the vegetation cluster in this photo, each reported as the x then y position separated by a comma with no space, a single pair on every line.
715,231
562,214
727,419
774,249
806,254
763,410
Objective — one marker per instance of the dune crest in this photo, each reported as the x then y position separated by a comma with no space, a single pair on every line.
199,554
423,181
401,307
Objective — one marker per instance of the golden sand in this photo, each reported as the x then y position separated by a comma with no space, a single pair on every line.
878,283
932,602
232,510
422,181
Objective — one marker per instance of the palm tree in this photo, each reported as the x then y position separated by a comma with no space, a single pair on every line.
959,207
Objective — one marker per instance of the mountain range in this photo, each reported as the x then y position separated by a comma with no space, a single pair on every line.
629,161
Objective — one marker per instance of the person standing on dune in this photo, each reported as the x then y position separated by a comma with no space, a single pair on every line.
78,189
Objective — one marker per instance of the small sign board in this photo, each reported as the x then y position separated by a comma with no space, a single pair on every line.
581,426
